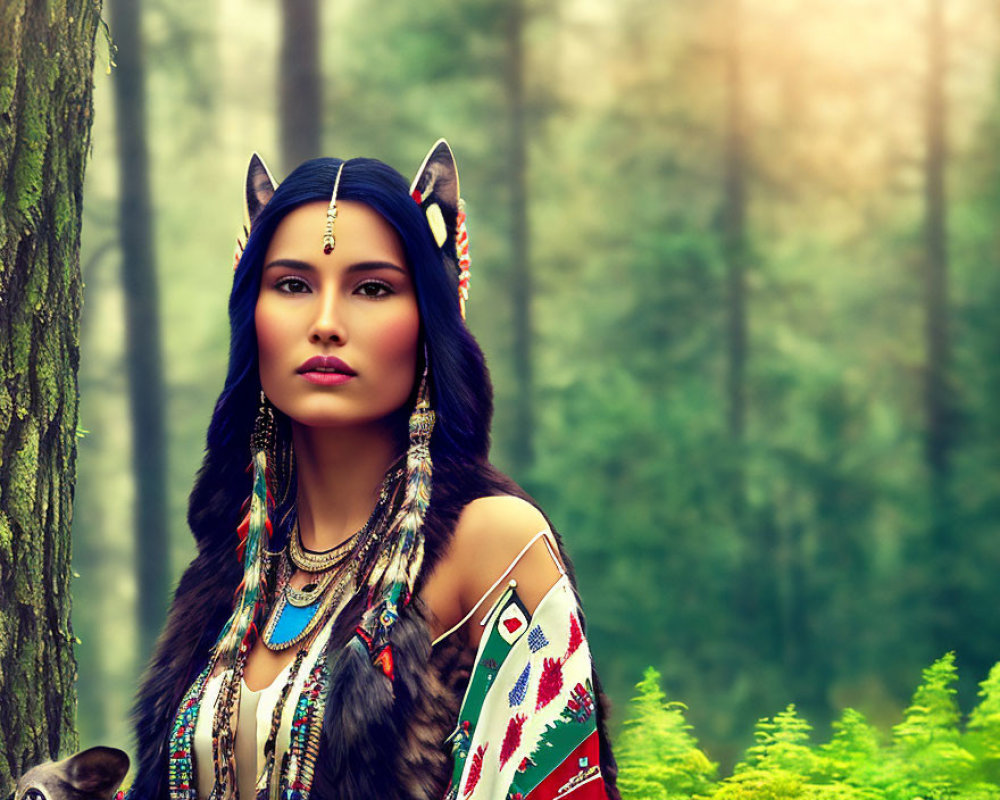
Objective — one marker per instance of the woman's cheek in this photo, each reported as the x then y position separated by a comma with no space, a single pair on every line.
398,339
269,343
396,352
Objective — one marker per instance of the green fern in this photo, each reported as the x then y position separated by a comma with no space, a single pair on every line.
753,783
933,714
657,756
983,731
782,743
854,757
927,758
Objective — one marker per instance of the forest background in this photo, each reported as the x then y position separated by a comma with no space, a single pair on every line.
735,269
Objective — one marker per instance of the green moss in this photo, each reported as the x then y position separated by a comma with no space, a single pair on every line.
6,561
8,74
6,776
53,71
64,220
8,71
38,282
47,376
20,345
34,135
5,640
20,500
6,413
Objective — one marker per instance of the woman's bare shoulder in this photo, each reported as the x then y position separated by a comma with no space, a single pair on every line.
490,538
492,533
499,521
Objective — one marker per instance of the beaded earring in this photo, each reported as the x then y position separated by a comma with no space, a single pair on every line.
254,535
390,584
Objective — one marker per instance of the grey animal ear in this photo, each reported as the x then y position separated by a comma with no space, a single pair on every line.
435,189
96,772
92,774
260,188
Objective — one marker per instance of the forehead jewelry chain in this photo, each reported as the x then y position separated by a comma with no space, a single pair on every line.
331,214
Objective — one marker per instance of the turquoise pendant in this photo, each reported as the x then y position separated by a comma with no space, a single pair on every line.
290,624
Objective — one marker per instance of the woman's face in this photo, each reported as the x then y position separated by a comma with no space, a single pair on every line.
337,334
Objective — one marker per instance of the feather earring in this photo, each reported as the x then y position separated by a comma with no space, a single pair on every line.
390,584
254,536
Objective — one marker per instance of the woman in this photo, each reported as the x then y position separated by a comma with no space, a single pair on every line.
398,619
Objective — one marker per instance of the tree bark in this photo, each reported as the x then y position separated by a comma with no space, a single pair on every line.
142,327
299,98
46,83
522,447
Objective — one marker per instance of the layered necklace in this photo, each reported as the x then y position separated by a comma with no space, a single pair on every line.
297,612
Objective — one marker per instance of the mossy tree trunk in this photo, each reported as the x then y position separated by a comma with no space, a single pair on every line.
46,82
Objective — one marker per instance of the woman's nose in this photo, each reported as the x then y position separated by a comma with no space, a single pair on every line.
327,325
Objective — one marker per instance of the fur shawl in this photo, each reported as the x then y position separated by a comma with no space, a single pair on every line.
369,749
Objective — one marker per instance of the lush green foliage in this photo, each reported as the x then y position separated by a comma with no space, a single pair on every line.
929,755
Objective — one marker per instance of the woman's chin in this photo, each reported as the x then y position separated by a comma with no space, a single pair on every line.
341,419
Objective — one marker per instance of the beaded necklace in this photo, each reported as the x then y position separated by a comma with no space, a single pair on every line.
298,762
298,612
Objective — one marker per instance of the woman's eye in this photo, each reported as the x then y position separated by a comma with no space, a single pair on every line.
292,285
374,289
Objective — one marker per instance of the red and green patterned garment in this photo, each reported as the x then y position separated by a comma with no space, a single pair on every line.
527,729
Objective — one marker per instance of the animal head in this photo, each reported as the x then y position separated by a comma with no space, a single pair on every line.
92,774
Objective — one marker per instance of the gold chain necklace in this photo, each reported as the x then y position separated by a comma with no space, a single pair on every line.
312,561
298,612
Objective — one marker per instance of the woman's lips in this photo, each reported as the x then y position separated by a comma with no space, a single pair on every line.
326,371
327,378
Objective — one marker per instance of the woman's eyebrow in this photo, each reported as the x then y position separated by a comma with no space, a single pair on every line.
290,263
361,266
368,266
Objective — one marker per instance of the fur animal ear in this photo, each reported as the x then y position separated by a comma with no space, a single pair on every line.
92,774
435,189
96,772
259,189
